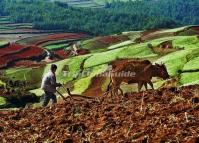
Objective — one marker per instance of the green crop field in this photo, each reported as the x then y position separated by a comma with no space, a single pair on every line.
122,44
6,24
174,61
189,78
185,59
176,29
130,51
2,83
192,64
55,47
188,42
68,69
3,43
93,44
25,74
2,101
82,84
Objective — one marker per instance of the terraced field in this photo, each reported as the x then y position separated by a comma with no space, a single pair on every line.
178,51
14,52
13,32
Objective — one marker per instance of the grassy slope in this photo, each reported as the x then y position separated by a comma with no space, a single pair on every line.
131,51
3,43
176,29
122,44
189,78
2,101
2,84
5,24
188,42
71,66
174,61
93,45
68,70
32,76
192,64
97,61
54,47
185,59
82,84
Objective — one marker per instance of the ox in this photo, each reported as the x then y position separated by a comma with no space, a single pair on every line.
140,72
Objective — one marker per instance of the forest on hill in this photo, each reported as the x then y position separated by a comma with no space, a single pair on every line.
114,18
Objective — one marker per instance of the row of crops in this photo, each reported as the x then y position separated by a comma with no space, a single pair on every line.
115,47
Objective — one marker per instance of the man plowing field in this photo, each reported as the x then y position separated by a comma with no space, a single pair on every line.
49,85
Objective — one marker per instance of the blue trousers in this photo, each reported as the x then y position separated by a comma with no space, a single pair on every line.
47,97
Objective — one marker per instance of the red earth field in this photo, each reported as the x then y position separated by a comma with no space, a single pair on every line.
27,63
66,54
17,52
62,36
155,116
113,39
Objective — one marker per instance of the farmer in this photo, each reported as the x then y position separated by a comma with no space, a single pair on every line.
74,50
49,85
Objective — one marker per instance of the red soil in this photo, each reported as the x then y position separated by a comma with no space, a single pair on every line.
62,53
12,48
156,35
28,63
31,51
83,51
66,35
195,28
148,32
15,52
62,36
152,116
24,30
66,54
166,45
112,39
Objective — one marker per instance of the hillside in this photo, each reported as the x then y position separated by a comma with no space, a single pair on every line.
176,48
120,16
166,115
127,71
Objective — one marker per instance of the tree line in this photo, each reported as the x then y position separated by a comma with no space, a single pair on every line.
115,17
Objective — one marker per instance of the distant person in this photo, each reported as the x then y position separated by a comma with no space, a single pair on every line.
49,86
74,50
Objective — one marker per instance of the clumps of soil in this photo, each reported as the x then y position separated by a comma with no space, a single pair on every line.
149,116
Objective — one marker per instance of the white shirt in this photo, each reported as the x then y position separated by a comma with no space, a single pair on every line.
49,82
